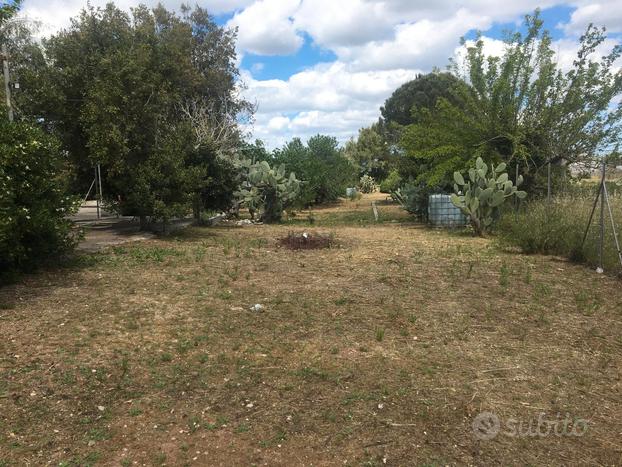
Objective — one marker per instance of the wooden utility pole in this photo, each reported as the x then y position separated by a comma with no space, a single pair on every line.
7,81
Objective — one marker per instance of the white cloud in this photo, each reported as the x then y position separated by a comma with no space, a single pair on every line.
277,129
343,23
52,15
414,10
329,98
278,123
604,13
566,51
273,27
216,7
423,44
266,28
326,86
492,48
56,14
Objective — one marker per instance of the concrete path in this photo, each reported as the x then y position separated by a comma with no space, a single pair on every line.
109,232
110,229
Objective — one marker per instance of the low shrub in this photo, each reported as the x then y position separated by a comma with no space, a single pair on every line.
557,228
34,201
353,194
391,183
588,188
414,198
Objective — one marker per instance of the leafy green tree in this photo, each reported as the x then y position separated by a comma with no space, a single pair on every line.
255,152
331,173
520,108
391,183
9,9
419,93
25,58
137,94
321,165
371,153
403,106
34,201
443,141
376,151
215,180
33,177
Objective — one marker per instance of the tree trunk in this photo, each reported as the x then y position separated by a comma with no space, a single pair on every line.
477,226
197,211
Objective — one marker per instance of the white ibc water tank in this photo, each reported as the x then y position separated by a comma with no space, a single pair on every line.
442,212
350,192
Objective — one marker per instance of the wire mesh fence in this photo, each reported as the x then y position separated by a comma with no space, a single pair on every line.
581,220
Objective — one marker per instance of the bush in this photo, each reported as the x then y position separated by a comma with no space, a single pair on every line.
558,229
367,184
216,191
589,188
413,197
391,183
34,202
353,194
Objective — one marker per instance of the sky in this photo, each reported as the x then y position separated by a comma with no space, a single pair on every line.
326,66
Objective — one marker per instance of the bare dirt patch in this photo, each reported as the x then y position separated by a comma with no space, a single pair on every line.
307,240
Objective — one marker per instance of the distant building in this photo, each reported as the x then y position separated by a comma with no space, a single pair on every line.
581,169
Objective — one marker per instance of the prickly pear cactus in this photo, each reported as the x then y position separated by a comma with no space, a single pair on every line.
367,184
480,195
268,191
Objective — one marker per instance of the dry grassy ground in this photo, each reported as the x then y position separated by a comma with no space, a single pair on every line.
380,351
